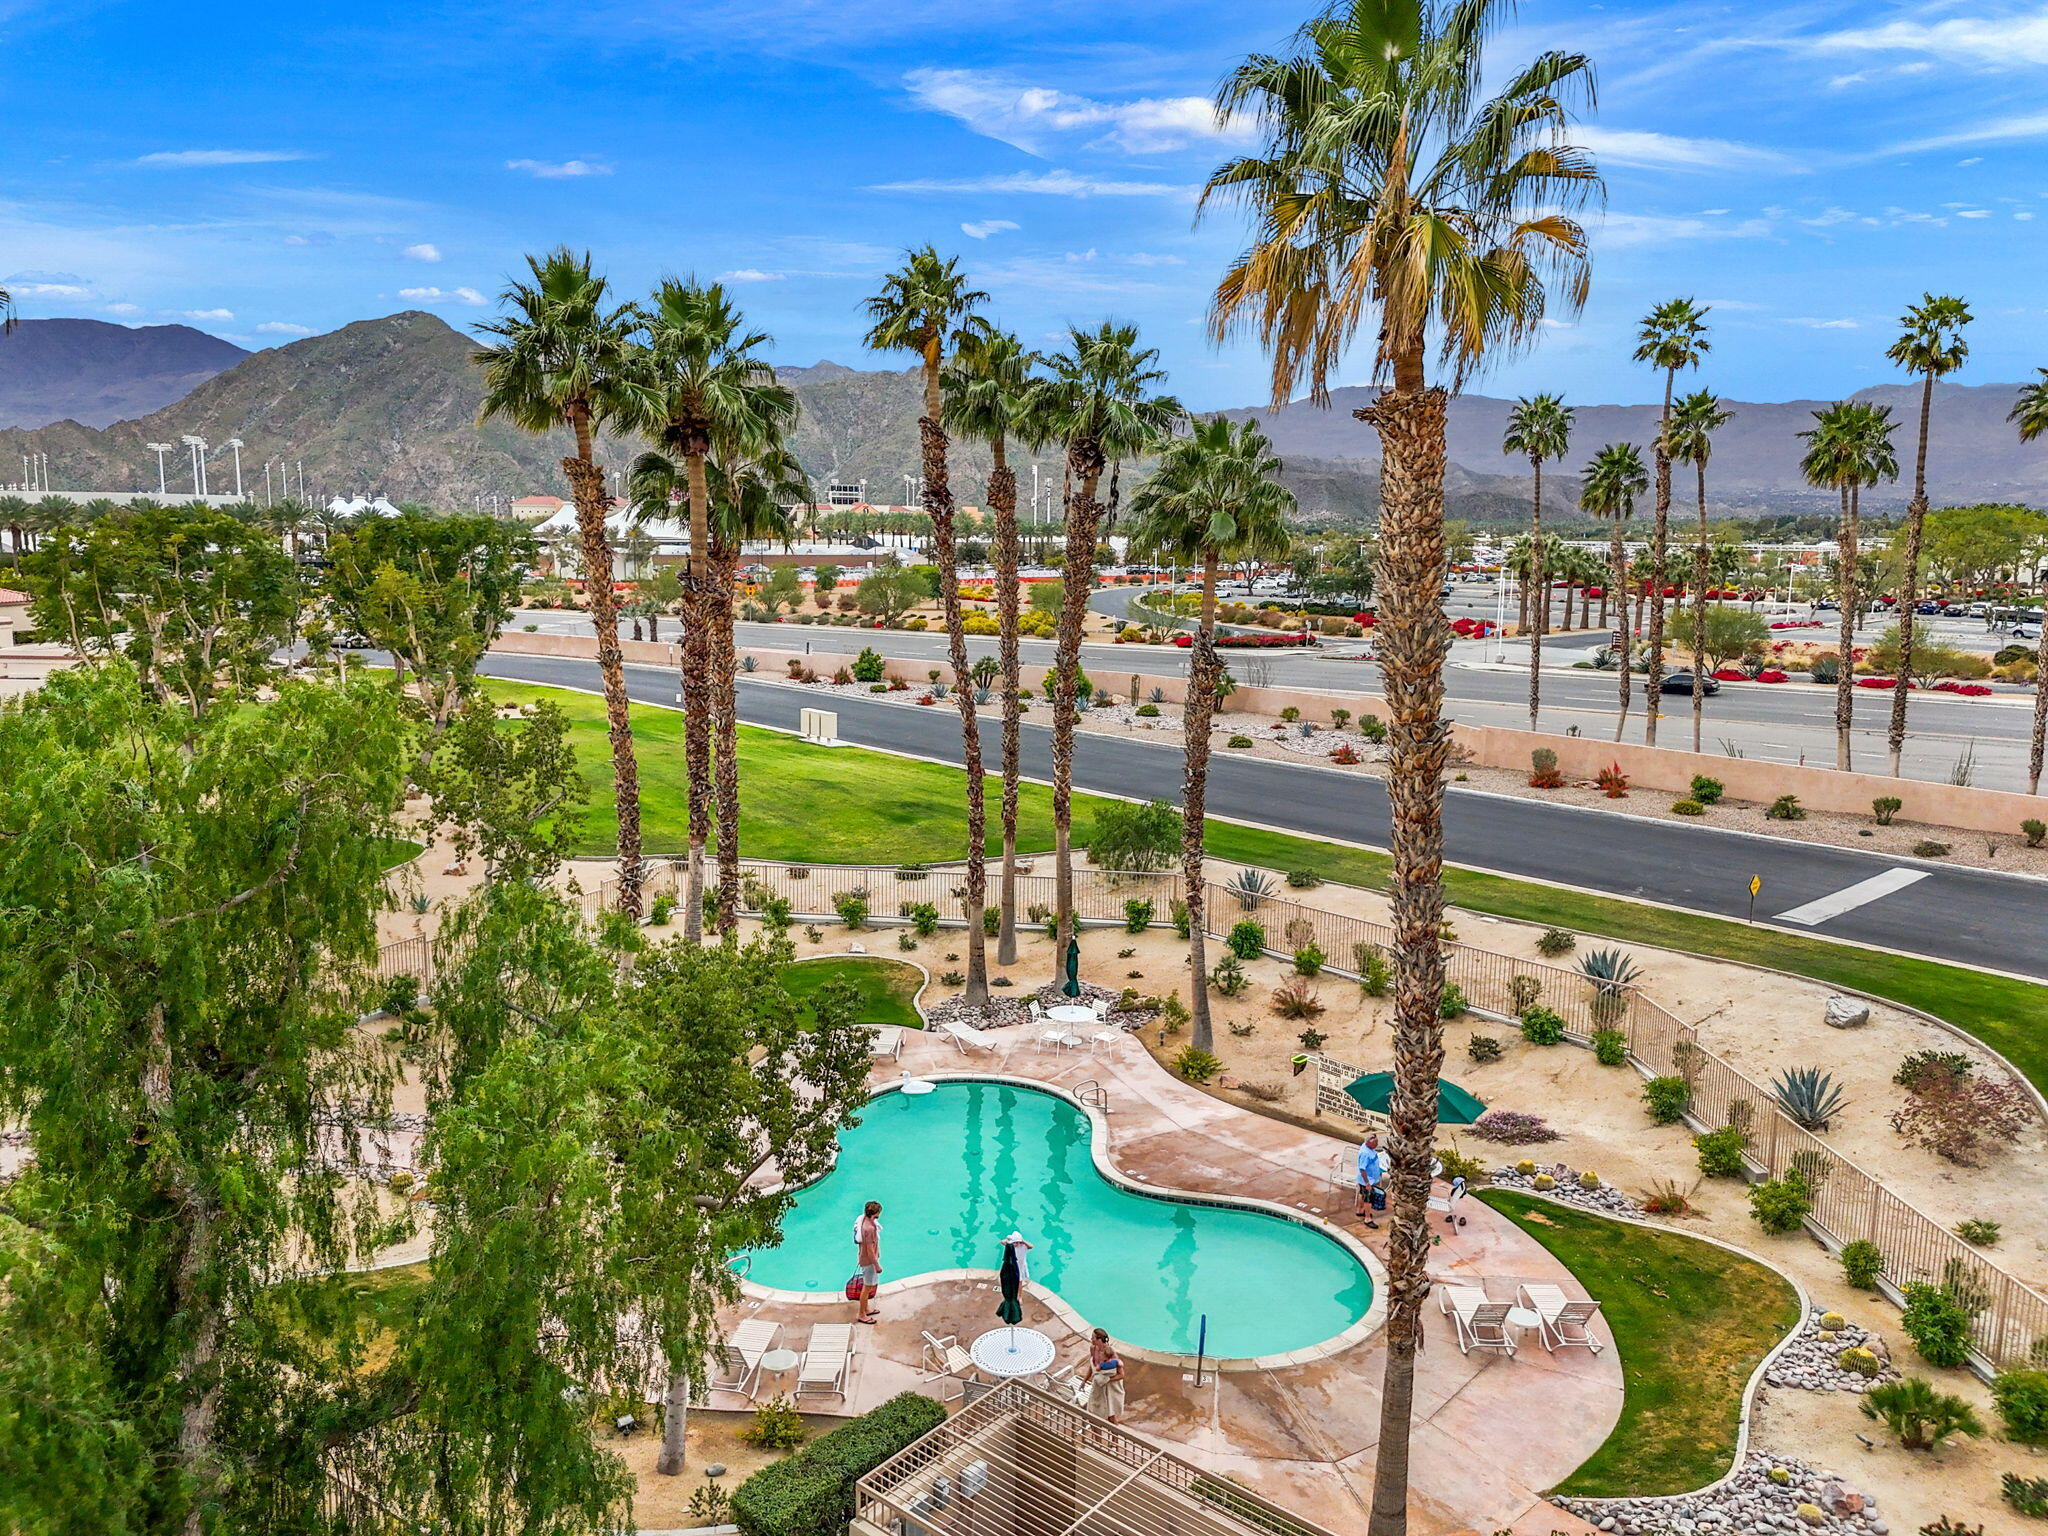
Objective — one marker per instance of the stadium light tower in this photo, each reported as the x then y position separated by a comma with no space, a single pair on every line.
159,449
236,444
198,447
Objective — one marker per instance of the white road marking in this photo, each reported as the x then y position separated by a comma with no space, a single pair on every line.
1851,897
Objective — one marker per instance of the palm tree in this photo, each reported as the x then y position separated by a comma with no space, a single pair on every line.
1214,497
1610,484
8,319
1673,336
1539,428
2030,415
563,359
14,509
1690,436
989,396
707,390
1098,402
1850,447
927,308
1930,344
1390,192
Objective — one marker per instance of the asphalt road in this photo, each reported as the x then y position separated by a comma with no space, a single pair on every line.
1972,916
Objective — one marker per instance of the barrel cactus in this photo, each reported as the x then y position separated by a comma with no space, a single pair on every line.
1860,1360
1834,1322
1525,1167
1544,1181
1780,1475
1589,1180
1812,1514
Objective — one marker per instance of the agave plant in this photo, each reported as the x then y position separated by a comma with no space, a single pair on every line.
1810,1096
1251,887
1609,970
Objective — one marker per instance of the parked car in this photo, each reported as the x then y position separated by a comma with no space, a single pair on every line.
1827,605
348,640
2027,631
1929,608
1681,682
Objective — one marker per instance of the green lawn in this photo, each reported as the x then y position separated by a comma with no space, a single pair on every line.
887,988
846,805
1690,1321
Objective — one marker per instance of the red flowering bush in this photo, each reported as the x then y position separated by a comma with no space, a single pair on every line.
1967,690
1877,682
926,699
1771,675
1344,755
1260,642
1183,641
1731,675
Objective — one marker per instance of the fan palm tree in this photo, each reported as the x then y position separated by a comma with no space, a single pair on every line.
1391,193
1690,437
1672,336
1849,447
926,307
8,319
563,359
1931,345
707,390
1214,497
14,509
1098,401
2030,415
988,396
1539,428
1610,483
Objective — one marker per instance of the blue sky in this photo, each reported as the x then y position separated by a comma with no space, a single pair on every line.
267,171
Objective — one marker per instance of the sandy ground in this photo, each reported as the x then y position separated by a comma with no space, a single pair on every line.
663,1503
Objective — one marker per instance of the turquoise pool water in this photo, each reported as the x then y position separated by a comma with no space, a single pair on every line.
958,1168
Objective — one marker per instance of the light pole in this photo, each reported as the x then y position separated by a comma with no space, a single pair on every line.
159,449
236,444
197,445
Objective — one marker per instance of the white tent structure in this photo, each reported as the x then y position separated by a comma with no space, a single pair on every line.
342,506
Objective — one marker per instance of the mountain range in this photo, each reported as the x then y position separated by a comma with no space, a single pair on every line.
389,406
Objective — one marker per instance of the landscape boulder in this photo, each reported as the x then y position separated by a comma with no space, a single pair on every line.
1846,1012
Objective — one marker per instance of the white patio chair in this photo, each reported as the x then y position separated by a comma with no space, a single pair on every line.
1056,1037
888,1041
944,1360
1101,1009
737,1361
1481,1324
827,1356
1036,1010
966,1036
1561,1322
1102,1039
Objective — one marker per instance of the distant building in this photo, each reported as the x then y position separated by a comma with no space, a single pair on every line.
13,615
536,509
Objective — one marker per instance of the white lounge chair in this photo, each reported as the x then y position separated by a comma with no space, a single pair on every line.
966,1036
888,1041
945,1360
736,1362
826,1358
1480,1324
1561,1322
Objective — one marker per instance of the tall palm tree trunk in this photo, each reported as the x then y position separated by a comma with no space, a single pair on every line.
1414,642
1539,587
1653,696
1617,558
1699,613
938,506
723,672
697,622
1205,667
2040,732
1002,499
1085,464
586,488
1909,591
1845,679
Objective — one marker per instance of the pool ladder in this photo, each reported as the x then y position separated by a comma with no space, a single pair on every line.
1093,1094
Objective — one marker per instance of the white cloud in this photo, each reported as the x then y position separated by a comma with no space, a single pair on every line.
1668,152
1813,324
284,328
1972,160
1973,213
1996,40
556,170
2023,215
183,159
1830,217
122,309
983,228
2029,125
1046,183
425,251
1615,231
37,284
751,275
441,295
207,314
1029,116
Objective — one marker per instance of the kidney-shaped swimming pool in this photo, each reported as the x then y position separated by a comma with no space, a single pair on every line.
956,1169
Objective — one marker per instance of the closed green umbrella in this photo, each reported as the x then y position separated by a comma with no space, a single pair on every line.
1454,1106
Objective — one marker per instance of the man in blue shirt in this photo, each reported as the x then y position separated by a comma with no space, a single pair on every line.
1372,1173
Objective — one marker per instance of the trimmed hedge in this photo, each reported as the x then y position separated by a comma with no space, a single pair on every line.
810,1493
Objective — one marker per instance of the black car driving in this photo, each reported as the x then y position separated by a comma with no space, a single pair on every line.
1681,682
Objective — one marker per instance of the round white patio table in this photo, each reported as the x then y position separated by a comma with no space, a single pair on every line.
1071,1013
1008,1351
1524,1318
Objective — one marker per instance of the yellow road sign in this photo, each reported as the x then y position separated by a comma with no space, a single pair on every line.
1756,883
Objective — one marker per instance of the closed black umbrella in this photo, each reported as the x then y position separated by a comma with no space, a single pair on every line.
1072,988
1011,1308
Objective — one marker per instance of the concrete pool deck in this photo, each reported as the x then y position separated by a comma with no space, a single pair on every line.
1490,1432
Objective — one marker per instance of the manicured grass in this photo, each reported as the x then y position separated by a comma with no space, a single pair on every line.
2010,1016
831,805
887,988
1690,1321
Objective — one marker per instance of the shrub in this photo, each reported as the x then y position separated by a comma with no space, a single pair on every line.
1482,1048
1720,1152
1458,1166
1885,807
1556,941
1810,1096
811,1492
1610,1047
1345,755
1178,911
1785,808
1147,711
1543,772
1311,1039
1196,1064
852,908
1920,1416
2021,1398
1372,727
1238,741
1375,971
1666,1099
1667,1199
906,942
1862,1262
868,666
991,921
776,1426
1303,879
1982,1233
1309,961
1297,1000
1523,991
661,910
1541,1026
1452,1002
1706,790
2035,831
1613,782
1780,1205
1290,714
952,978
1137,916
2028,1495
1960,1118
1512,1128
924,918
1937,1323
1925,1067
1687,808
1825,668
1173,1014
1137,837
1247,939
1928,848
710,1504
1228,978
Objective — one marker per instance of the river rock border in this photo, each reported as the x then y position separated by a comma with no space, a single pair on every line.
1807,1363
1606,1199
1767,1493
